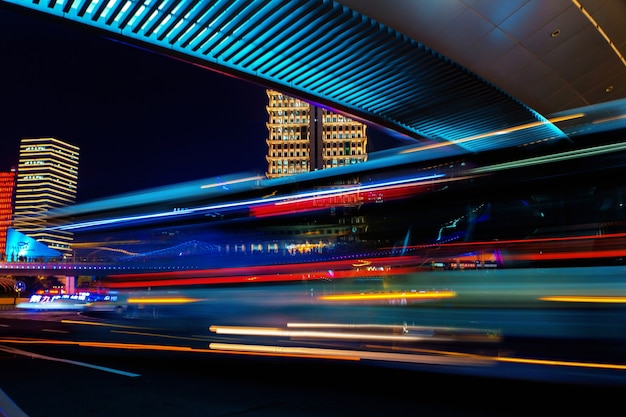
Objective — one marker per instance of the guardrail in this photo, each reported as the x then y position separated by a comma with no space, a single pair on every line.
9,303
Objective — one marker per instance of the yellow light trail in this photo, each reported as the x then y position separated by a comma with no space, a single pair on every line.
341,354
93,323
452,358
165,336
584,299
392,296
107,345
165,300
495,133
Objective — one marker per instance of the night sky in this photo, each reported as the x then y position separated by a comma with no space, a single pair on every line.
141,119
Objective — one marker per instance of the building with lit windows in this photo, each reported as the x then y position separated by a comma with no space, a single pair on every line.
303,137
7,188
47,178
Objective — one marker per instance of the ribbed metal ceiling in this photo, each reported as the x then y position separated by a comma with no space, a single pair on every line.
325,52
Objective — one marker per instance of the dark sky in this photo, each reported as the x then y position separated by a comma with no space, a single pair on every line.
141,119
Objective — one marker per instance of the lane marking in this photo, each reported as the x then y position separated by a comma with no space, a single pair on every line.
50,358
8,408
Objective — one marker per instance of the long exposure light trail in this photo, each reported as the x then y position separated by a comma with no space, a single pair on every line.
584,299
162,300
71,362
345,354
496,133
246,203
563,156
390,296
265,331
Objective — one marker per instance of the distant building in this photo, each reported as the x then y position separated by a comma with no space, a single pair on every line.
47,178
303,137
7,190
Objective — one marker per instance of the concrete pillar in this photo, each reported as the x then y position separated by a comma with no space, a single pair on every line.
70,284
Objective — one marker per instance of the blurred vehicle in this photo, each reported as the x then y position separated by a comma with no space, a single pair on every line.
110,304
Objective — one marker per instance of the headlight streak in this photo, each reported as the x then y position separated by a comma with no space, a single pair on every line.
432,356
395,333
308,334
465,333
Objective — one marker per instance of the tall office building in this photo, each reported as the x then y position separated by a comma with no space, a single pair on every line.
303,137
47,178
7,188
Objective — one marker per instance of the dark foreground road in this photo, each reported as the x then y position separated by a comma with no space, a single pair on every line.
189,384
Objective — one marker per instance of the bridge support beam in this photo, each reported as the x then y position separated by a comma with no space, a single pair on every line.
70,284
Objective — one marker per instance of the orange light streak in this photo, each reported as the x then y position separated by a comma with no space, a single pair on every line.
345,354
393,296
163,300
498,132
584,299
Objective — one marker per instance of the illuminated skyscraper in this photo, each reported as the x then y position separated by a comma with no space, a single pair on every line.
303,137
7,187
47,178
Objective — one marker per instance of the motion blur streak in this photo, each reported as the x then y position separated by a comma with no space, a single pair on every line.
585,299
161,300
231,182
467,334
93,323
562,363
105,345
399,334
50,358
528,361
563,156
259,331
165,336
497,133
396,296
277,351
342,354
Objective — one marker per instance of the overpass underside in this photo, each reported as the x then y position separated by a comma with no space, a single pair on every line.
327,54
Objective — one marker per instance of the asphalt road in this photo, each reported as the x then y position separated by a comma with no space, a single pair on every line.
69,379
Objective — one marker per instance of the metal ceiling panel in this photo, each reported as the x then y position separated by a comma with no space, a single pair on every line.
577,68
323,51
399,63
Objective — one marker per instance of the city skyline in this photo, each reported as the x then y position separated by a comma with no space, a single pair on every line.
142,120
